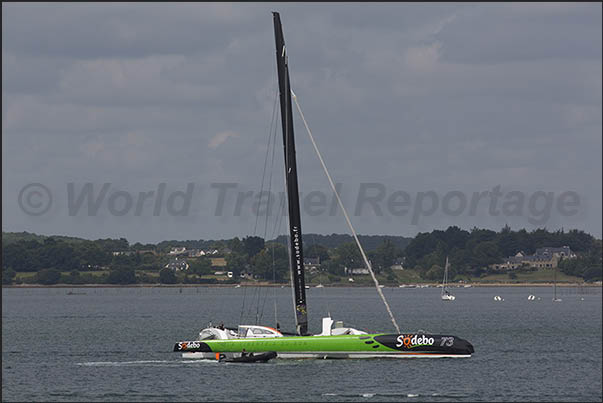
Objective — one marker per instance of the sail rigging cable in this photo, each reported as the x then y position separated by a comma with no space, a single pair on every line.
445,284
345,214
268,207
271,136
271,133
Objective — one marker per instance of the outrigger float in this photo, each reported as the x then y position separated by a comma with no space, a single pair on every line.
336,341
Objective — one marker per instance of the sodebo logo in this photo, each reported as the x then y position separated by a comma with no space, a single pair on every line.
410,341
184,345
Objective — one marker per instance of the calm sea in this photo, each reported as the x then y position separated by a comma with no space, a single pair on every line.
116,344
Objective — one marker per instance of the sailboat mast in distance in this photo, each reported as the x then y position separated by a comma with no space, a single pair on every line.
296,259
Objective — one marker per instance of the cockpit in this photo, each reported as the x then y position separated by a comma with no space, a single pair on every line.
257,331
244,331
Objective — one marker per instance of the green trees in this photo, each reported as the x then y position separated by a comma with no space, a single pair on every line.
167,276
485,253
588,265
383,256
470,253
253,245
593,273
8,275
58,255
333,268
122,276
32,255
332,241
108,244
272,261
435,273
319,251
346,255
236,245
90,255
236,262
241,253
48,276
18,257
200,266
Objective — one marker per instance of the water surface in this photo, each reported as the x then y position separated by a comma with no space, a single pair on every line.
116,344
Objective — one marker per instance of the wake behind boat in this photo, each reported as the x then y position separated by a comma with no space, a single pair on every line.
334,341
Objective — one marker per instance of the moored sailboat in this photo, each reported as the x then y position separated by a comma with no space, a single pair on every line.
333,341
555,299
446,295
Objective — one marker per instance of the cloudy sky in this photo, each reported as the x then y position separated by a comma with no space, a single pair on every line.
437,101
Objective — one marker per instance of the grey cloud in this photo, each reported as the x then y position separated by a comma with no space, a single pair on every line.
497,29
417,96
93,30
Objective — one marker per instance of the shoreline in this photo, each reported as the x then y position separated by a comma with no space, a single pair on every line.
417,285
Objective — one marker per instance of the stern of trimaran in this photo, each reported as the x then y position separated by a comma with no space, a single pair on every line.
333,341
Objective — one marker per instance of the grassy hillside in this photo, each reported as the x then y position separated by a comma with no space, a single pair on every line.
369,242
12,237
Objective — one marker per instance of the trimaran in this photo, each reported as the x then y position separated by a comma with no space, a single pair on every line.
333,341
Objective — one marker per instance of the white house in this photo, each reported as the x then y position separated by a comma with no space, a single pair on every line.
177,264
359,270
178,251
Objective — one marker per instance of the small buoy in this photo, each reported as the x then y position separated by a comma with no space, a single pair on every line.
531,297
498,298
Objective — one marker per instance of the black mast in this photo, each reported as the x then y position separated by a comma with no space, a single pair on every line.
296,257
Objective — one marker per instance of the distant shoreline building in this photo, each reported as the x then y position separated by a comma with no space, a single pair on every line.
544,258
312,264
177,251
398,263
177,264
195,252
356,271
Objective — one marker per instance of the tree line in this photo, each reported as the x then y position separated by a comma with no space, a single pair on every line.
471,252
58,259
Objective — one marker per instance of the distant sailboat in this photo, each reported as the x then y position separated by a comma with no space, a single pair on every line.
446,295
555,299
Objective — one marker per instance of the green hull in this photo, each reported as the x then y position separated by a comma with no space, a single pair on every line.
350,345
